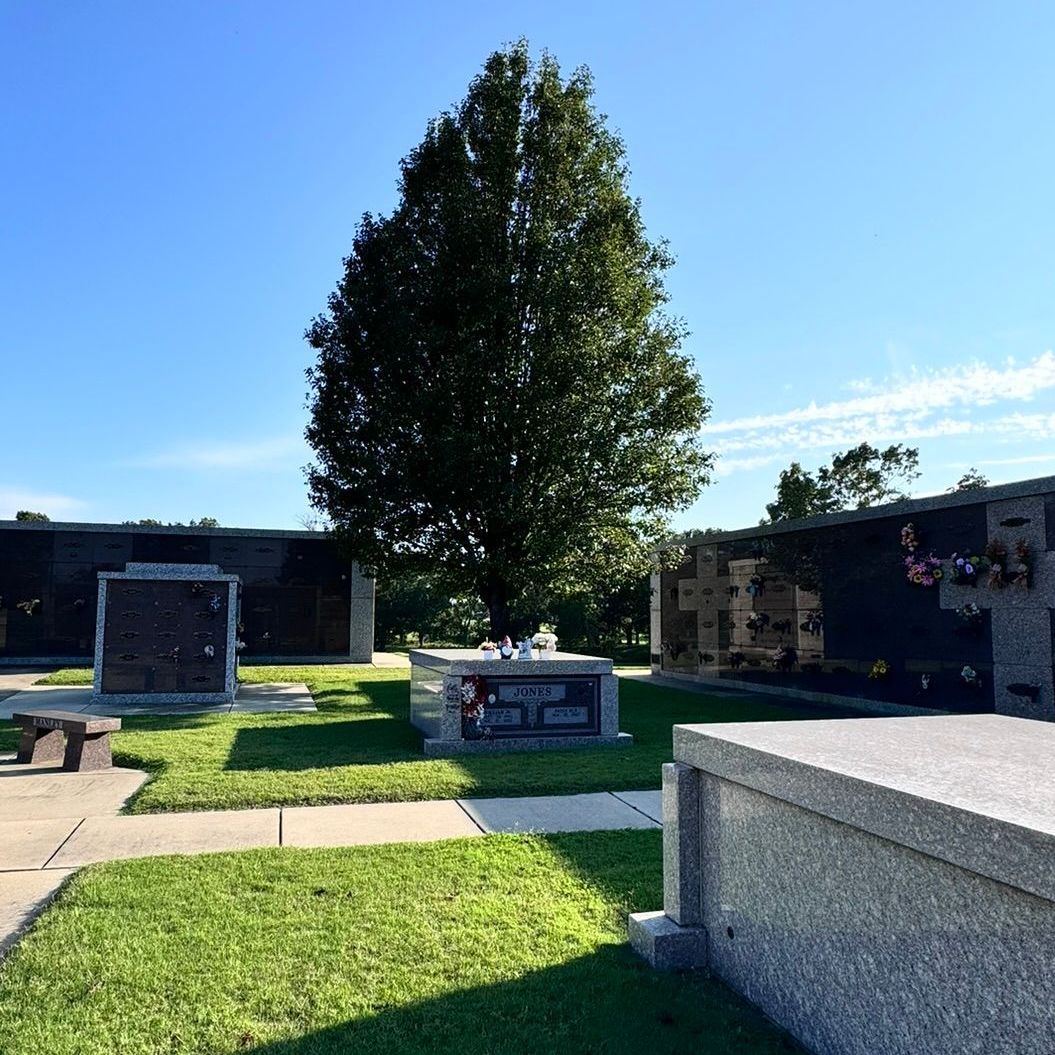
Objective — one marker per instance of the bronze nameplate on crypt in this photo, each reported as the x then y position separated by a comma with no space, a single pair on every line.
543,706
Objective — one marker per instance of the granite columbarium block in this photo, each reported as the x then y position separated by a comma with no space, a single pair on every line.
876,886
527,705
166,634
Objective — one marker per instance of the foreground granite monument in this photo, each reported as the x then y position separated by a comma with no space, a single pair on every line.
464,703
166,634
876,886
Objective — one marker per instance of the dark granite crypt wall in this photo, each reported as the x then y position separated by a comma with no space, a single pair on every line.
853,575
295,591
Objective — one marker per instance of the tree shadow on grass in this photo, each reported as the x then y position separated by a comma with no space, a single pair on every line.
386,697
609,1001
365,741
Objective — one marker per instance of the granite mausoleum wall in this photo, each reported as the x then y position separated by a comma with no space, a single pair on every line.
809,607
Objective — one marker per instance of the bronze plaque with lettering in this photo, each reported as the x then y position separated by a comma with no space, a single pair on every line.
542,706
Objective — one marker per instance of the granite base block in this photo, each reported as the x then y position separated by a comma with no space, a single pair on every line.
681,844
160,699
41,745
85,753
656,938
435,748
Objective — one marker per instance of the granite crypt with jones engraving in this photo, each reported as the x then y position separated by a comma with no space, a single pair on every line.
166,634
524,704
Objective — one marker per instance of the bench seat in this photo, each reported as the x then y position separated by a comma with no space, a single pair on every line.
82,741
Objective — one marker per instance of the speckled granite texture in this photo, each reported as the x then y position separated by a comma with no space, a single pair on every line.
876,886
453,748
1022,637
436,707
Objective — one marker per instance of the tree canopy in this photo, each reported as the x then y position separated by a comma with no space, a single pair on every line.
28,514
499,398
860,477
972,480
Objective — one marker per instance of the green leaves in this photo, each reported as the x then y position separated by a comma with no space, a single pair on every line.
860,477
498,393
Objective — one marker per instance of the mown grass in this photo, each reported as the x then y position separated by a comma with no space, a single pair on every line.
360,747
473,946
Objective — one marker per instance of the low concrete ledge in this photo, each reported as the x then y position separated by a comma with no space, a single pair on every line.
436,748
667,947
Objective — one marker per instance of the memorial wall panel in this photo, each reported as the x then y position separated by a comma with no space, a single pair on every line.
833,610
296,595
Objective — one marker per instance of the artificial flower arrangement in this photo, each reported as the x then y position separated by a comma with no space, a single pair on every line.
919,569
545,641
784,658
1014,568
29,607
965,568
756,622
488,648
880,669
505,649
970,616
474,695
971,677
756,585
736,660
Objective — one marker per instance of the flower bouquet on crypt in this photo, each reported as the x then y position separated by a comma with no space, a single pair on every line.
545,641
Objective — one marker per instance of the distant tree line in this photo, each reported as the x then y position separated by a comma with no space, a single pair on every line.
204,522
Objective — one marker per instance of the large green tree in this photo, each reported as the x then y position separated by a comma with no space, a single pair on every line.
860,477
498,397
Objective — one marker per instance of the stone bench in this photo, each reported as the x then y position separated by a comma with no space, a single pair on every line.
82,741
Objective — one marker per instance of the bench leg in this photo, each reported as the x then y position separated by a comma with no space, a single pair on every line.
87,752
40,745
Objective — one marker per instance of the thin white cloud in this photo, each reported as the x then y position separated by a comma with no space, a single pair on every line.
1026,459
276,452
727,466
58,507
924,405
922,392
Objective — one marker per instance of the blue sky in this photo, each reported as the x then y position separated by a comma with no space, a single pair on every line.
860,202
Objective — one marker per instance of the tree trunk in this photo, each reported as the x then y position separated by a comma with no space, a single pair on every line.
497,600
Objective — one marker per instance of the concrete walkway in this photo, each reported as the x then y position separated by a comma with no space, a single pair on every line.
66,840
52,823
15,681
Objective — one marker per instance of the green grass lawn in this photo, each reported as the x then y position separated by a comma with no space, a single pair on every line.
490,945
360,747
